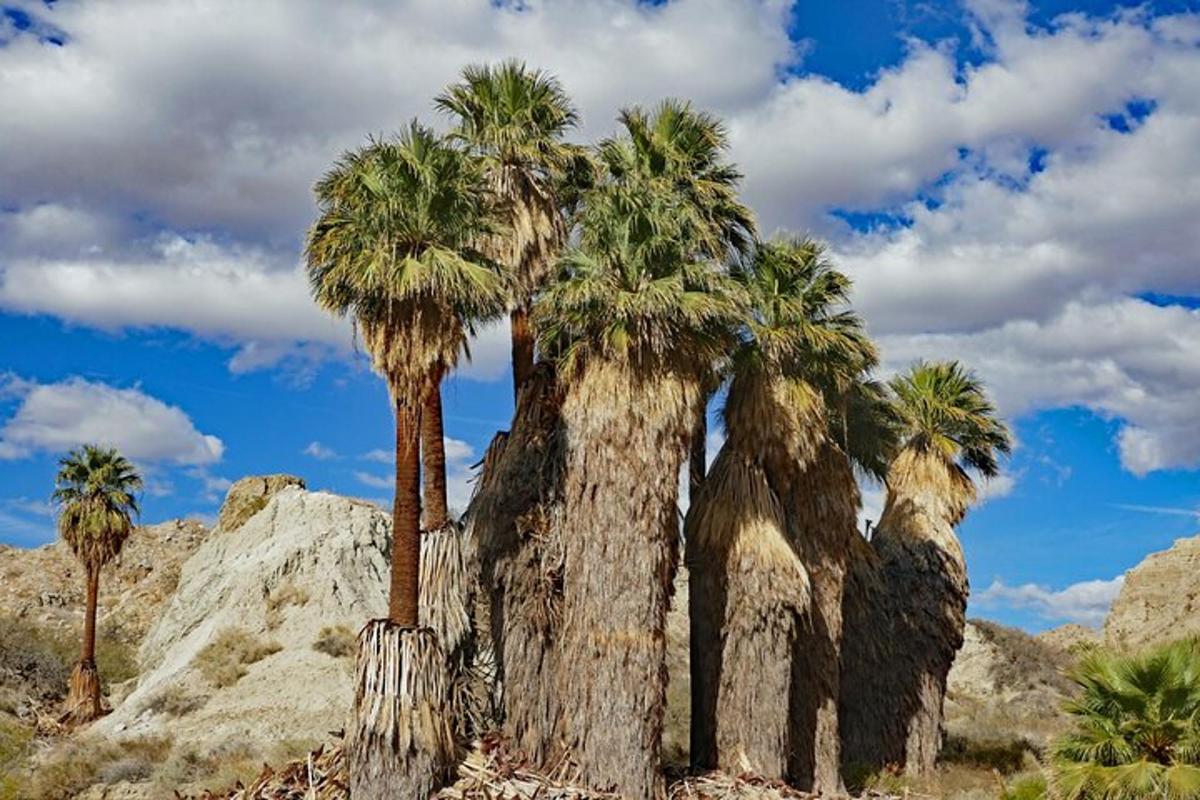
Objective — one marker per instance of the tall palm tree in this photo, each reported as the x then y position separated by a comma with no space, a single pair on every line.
636,320
763,532
96,491
393,247
1137,727
515,119
906,609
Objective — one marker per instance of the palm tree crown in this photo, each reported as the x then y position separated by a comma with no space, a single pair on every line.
96,490
1137,727
643,285
944,409
395,247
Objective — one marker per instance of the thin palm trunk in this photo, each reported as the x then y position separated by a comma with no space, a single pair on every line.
433,452
406,517
698,454
83,689
88,653
626,440
522,349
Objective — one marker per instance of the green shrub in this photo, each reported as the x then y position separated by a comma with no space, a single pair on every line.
1027,787
224,660
337,641
1006,756
42,658
1137,726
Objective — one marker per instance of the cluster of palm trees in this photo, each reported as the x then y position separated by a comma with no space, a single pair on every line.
633,276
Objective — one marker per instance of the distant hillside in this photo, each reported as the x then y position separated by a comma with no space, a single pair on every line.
1160,599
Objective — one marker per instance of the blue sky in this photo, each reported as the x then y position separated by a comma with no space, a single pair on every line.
1007,185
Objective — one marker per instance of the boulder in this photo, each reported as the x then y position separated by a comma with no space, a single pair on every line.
249,495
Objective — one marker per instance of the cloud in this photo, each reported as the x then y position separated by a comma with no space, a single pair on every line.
378,456
374,481
1086,602
58,416
319,451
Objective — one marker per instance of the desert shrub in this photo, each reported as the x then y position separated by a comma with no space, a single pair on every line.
175,701
1136,726
1006,756
224,660
1026,787
337,641
286,594
15,737
41,658
82,763
210,768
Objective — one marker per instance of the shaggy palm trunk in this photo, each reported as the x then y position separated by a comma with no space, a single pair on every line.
514,530
83,691
522,349
749,596
822,511
909,605
627,437
401,743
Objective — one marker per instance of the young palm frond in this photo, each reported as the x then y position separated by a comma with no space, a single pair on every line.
1137,728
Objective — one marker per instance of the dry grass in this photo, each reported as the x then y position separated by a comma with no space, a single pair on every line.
224,661
175,701
286,594
79,764
337,641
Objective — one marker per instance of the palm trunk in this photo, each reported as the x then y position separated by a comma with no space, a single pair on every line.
406,518
626,440
522,349
433,451
698,455
823,519
514,525
750,599
913,594
401,743
83,689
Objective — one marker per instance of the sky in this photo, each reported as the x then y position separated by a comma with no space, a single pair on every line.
1016,185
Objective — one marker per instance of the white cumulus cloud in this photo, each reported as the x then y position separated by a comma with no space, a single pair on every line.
1086,602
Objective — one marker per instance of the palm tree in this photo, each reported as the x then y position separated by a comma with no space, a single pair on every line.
906,610
515,119
393,249
1137,727
637,319
764,530
96,490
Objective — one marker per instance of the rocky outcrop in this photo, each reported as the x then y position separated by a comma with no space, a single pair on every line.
1160,599
249,495
1071,637
235,655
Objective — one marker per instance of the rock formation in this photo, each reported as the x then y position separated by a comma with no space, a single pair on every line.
1159,600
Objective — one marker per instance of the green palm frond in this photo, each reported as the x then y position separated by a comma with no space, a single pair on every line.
96,493
395,245
945,409
1137,725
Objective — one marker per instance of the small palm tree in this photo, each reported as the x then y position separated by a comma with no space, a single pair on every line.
763,558
393,248
638,317
515,119
96,492
1137,727
909,625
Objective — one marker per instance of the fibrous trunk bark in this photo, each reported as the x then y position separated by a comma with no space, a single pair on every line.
401,743
514,530
406,517
522,349
627,437
83,689
906,611
822,513
749,600
433,453
698,455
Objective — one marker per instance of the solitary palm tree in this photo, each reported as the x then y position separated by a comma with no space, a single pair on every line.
96,491
636,320
393,248
763,531
1137,727
515,119
907,603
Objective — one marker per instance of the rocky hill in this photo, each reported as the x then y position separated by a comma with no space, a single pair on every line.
1160,599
